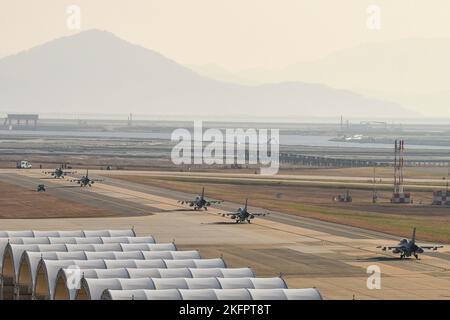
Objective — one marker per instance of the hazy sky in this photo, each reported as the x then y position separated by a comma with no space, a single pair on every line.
235,34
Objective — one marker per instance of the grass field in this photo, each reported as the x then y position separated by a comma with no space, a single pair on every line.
433,223
19,203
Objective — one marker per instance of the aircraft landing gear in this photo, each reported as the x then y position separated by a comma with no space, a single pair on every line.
402,256
249,221
416,256
206,208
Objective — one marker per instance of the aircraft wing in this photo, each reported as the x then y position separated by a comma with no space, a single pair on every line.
431,247
259,214
229,214
191,202
215,201
384,248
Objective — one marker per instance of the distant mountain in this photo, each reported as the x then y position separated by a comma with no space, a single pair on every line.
412,72
96,72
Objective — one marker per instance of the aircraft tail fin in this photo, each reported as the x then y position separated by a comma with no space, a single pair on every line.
413,239
203,192
246,201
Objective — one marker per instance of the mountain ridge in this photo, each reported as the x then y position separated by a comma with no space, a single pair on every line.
97,71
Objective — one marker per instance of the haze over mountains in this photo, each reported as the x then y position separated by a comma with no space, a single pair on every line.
96,72
412,72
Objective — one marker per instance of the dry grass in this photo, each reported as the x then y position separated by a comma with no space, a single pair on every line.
19,203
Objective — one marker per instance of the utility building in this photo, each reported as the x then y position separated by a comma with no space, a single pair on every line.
21,120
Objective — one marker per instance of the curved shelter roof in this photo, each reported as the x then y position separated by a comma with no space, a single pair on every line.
55,237
13,254
42,281
26,276
117,265
100,240
4,242
47,271
196,263
69,233
158,273
110,233
74,240
113,255
252,283
154,263
92,288
285,294
17,234
65,289
171,294
213,294
232,294
27,271
222,272
94,247
185,283
128,239
172,255
148,247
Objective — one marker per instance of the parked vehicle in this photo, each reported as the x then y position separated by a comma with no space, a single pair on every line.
23,165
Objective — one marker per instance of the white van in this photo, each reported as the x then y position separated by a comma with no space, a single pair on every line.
23,165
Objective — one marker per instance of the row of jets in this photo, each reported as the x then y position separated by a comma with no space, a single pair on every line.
200,202
406,247
241,215
84,181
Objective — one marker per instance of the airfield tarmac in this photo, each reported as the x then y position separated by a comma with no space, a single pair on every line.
307,252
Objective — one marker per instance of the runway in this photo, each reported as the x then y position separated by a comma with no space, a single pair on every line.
306,252
332,228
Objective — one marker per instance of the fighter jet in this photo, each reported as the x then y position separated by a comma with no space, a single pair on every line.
406,247
200,202
59,173
242,215
85,181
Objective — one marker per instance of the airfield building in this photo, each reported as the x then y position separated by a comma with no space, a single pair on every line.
21,119
441,198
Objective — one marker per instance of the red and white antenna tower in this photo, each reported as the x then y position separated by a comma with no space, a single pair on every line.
398,166
399,196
